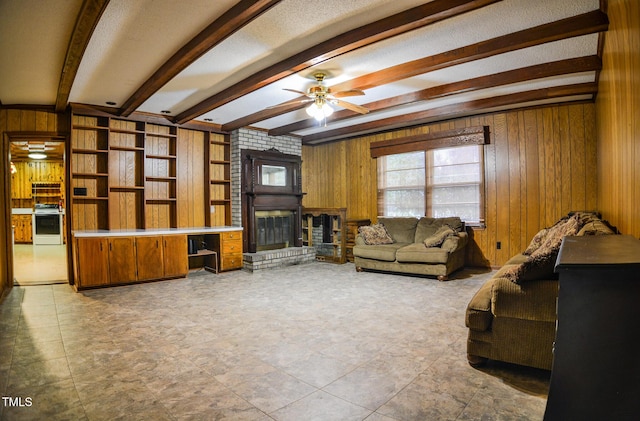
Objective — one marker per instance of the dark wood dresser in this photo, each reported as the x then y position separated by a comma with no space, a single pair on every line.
596,362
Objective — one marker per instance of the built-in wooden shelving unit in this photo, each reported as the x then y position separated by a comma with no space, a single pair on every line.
125,174
219,179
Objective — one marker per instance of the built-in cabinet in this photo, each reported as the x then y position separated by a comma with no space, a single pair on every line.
156,257
325,229
116,258
22,228
102,261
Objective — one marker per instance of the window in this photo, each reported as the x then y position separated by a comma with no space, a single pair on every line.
438,182
401,182
454,185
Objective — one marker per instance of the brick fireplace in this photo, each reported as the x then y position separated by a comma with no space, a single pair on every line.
268,209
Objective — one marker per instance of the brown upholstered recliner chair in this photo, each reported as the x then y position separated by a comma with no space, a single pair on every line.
512,317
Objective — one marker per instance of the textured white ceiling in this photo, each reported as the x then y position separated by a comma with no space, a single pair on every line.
134,38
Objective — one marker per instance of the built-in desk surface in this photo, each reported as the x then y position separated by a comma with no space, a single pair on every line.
155,231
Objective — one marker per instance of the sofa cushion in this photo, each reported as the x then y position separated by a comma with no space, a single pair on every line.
418,253
437,238
375,234
402,230
384,252
428,226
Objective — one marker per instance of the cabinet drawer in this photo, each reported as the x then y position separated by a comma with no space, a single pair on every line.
231,236
231,246
230,261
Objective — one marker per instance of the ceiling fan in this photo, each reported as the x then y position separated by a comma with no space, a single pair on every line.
321,96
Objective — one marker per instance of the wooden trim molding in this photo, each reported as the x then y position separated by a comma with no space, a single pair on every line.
477,135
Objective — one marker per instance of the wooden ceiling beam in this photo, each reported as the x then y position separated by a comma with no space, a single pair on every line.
560,67
426,14
584,24
453,110
88,17
226,25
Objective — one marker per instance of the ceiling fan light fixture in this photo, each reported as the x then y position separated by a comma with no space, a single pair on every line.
319,110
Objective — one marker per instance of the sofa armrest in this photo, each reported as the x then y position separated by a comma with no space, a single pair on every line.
455,243
531,300
360,240
478,315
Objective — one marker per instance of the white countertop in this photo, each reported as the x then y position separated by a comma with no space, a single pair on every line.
155,231
21,211
27,211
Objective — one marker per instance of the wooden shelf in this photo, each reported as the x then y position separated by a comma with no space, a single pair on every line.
125,131
89,151
89,198
161,179
89,175
165,135
203,252
83,127
161,200
161,156
126,148
126,188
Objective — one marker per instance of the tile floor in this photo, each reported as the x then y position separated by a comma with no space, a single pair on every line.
39,264
311,342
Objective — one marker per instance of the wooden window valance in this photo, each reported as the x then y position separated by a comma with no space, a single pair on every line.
478,135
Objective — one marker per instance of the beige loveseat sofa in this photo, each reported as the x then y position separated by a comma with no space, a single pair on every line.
512,317
425,246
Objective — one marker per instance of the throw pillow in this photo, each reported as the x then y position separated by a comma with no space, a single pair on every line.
375,234
536,242
439,236
540,264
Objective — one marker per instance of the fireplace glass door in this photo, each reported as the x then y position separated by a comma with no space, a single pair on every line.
274,229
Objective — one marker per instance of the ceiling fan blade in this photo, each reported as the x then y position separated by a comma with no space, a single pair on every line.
350,92
352,107
288,103
295,91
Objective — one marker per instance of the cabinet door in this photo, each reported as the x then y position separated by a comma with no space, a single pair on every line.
176,260
17,230
149,257
28,229
92,262
122,260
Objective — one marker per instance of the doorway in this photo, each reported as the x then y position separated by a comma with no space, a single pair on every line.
37,207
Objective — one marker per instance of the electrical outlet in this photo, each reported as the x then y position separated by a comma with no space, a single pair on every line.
498,245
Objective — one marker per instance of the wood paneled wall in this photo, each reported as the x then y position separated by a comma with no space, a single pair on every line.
540,164
191,183
618,118
15,120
